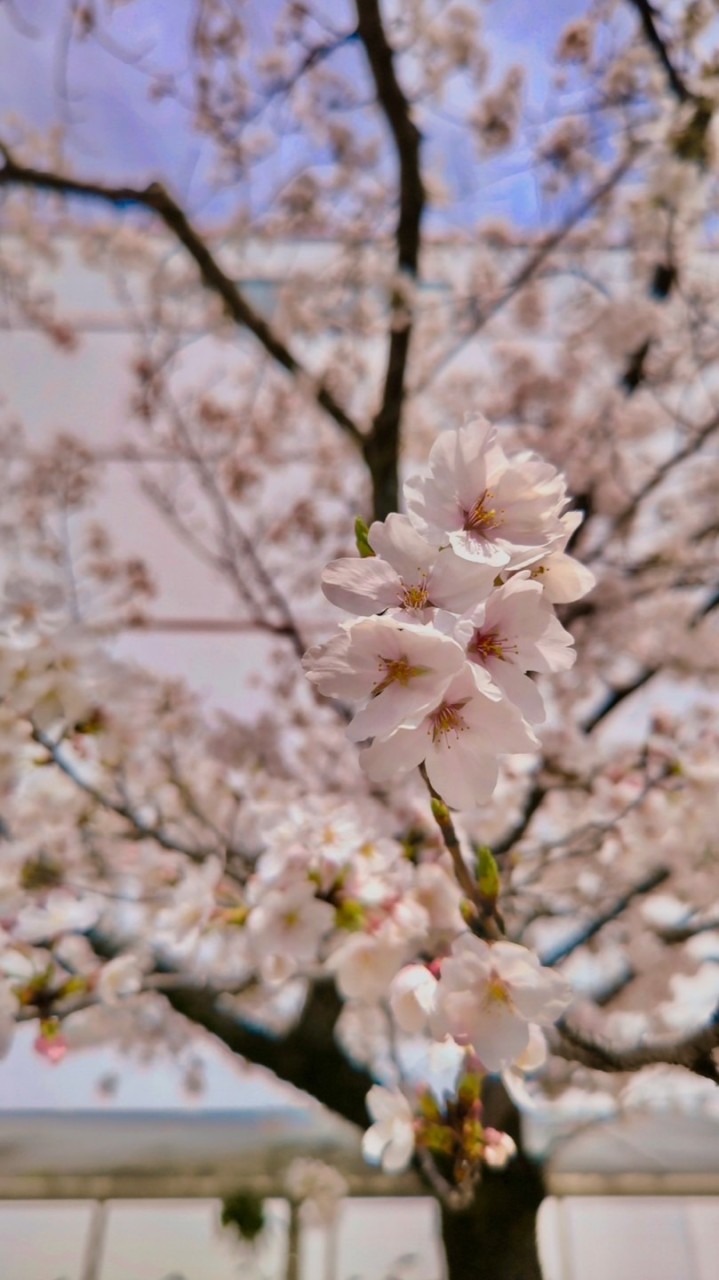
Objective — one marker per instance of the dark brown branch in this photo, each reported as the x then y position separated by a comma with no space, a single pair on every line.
307,1057
693,1052
687,451
382,446
617,908
487,922
617,695
533,800
647,15
201,626
620,693
158,200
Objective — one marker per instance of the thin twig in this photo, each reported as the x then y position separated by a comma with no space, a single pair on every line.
157,200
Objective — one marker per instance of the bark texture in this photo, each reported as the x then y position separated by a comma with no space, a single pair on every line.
496,1237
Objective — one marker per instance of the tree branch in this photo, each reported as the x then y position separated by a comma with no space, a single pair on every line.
158,200
647,14
139,830
693,1052
308,1057
530,267
382,445
620,692
615,909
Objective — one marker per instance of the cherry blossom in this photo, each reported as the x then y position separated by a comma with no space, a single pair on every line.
399,669
492,509
562,577
489,995
286,928
412,996
458,741
406,573
513,632
61,912
389,1141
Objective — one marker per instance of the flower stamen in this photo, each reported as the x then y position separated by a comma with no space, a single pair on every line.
416,597
481,518
489,644
397,671
448,719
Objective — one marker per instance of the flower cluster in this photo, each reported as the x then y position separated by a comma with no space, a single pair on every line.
490,997
455,608
451,1129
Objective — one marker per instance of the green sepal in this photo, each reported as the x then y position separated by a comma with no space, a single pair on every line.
487,874
361,538
350,915
428,1107
469,1090
438,1138
440,812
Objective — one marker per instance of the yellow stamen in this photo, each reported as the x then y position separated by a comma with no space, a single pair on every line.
448,719
481,517
415,597
497,992
397,671
487,644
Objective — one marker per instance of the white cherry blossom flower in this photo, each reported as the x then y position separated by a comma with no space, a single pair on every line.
695,999
458,741
119,977
491,509
406,573
390,1140
398,669
365,963
61,912
436,889
193,904
488,995
287,926
412,995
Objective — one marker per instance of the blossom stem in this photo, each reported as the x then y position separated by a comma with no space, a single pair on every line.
486,922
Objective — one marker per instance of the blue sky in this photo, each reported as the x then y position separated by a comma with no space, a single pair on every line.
113,132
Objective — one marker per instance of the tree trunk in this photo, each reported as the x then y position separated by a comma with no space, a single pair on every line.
496,1237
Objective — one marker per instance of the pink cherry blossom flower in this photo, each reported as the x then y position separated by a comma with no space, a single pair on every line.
561,577
50,1043
406,573
488,995
499,1149
390,1140
515,631
492,509
398,669
458,741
